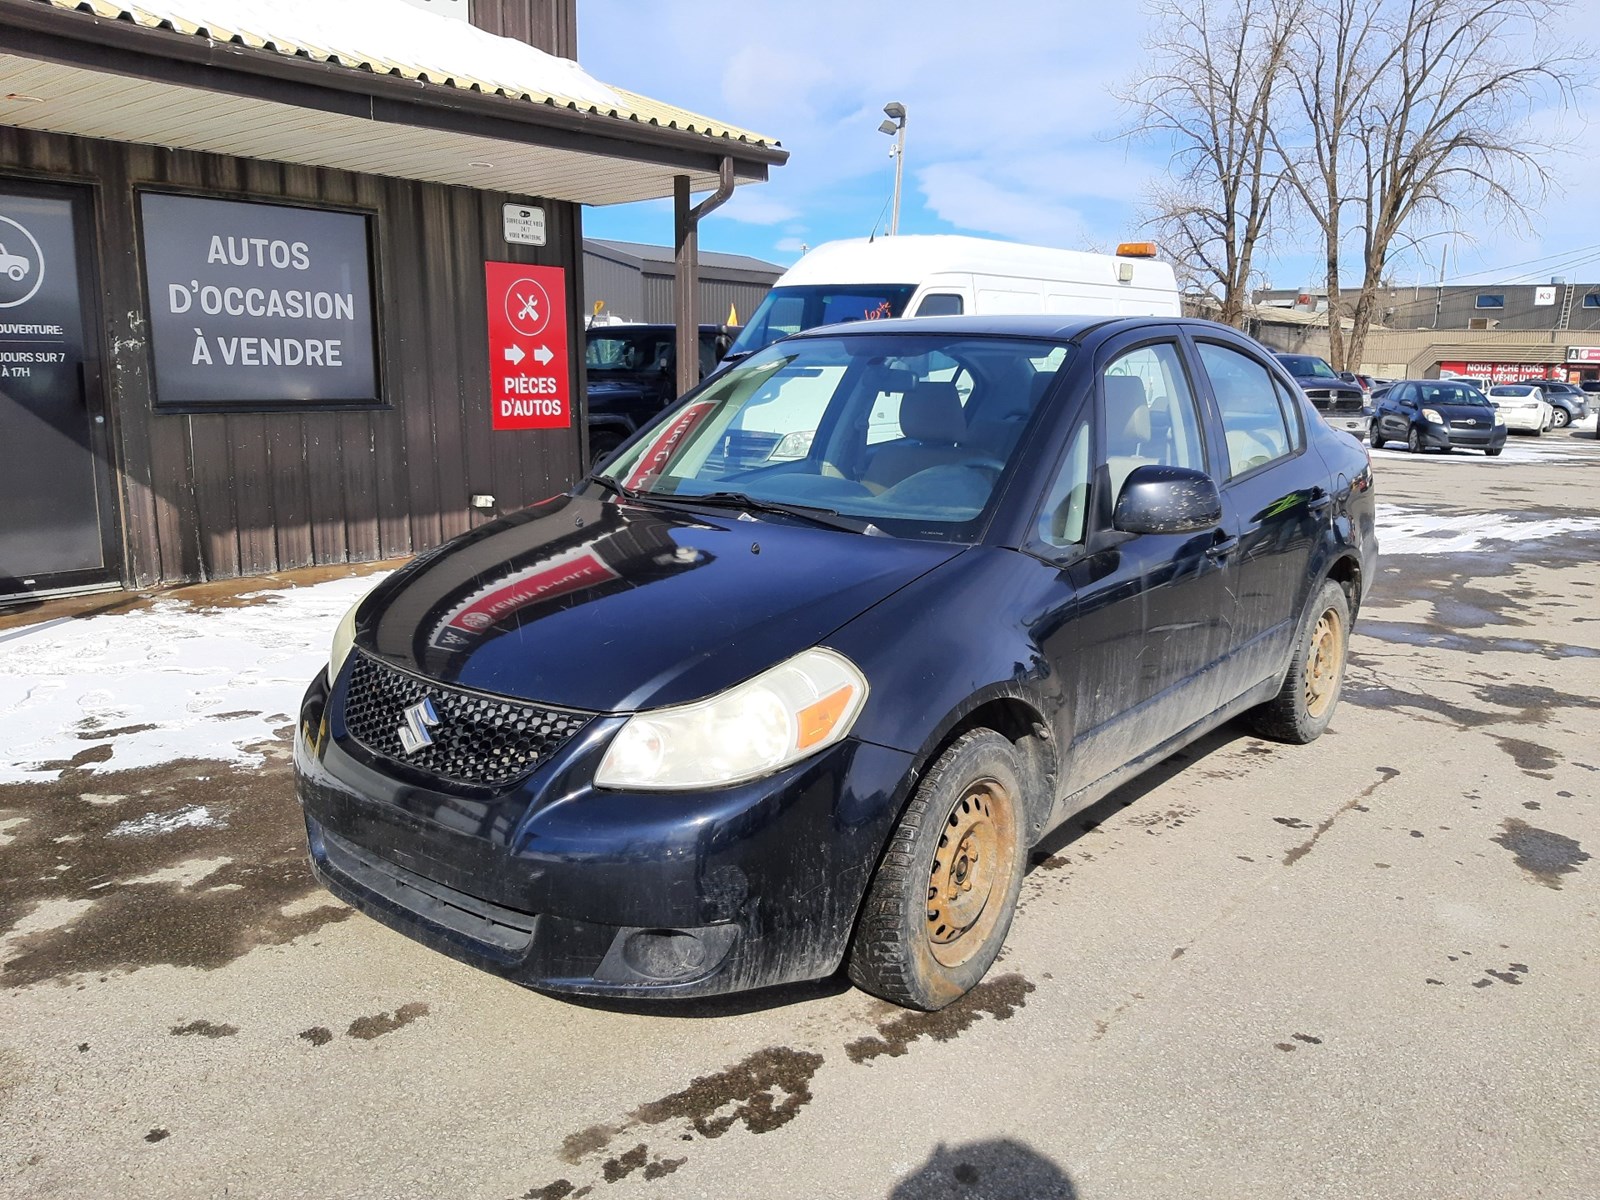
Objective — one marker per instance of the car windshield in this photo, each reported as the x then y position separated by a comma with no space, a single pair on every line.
1307,366
1458,394
901,434
789,310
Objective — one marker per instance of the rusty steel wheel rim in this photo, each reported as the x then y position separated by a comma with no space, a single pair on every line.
1323,663
970,876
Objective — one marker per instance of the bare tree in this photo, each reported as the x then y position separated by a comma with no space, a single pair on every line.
1413,112
1209,89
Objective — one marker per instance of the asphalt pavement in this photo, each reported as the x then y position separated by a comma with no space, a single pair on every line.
1368,967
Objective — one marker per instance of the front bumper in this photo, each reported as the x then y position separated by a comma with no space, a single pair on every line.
1449,437
1357,423
555,885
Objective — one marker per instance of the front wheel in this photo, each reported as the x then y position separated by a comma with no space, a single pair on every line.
1304,705
938,908
1414,441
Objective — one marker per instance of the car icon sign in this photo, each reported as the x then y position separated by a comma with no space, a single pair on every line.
14,265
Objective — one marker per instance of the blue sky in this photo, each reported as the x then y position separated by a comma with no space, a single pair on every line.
1012,127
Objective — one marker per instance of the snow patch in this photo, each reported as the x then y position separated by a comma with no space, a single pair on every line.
196,816
177,680
1417,531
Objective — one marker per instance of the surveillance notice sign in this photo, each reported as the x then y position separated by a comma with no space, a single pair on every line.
528,368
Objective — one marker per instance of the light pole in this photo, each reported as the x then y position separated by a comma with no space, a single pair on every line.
895,127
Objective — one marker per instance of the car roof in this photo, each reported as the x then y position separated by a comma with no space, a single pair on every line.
1029,325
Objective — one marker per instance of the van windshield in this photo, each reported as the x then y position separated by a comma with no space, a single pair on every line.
788,310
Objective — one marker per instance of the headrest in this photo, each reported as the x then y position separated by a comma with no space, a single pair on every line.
931,412
1126,411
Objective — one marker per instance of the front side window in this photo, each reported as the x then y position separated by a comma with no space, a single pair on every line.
940,304
871,428
1066,508
1150,413
1252,419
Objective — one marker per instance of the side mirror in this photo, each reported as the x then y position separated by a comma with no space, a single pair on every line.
1158,499
1348,376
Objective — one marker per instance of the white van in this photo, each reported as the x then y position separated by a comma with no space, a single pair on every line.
922,276
866,279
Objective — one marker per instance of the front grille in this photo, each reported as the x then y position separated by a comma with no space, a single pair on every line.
1335,399
485,741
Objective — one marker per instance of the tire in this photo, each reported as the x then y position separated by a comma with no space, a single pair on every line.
1560,419
1375,437
933,922
1414,441
1495,453
1539,431
1304,705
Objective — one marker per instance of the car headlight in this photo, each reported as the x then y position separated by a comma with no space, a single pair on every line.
760,726
793,445
1432,414
1499,417
344,637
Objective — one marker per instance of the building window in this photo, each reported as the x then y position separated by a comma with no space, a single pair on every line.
1592,300
1491,300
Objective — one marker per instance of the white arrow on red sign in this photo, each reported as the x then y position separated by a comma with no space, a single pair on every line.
514,354
543,354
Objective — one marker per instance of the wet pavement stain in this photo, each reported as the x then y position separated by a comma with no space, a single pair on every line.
1409,634
317,1035
368,1028
746,1093
204,1029
1544,855
158,1135
1307,1038
560,1189
1385,774
1530,757
997,998
662,1166
248,817
626,1164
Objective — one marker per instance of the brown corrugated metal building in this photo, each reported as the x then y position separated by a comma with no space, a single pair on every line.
248,281
628,281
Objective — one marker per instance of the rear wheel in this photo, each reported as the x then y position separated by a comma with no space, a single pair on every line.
1304,705
1561,419
1495,453
1375,437
1414,441
938,908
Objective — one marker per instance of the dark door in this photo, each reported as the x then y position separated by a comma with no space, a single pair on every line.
1275,503
1152,614
59,529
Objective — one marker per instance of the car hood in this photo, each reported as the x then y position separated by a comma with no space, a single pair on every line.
1463,412
615,606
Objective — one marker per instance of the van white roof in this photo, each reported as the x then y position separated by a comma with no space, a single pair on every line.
911,258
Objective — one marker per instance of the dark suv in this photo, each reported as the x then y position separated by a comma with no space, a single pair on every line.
633,375
1342,405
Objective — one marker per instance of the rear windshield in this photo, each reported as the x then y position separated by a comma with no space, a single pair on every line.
788,310
1512,389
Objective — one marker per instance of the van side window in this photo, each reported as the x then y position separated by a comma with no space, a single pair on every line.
1251,415
940,304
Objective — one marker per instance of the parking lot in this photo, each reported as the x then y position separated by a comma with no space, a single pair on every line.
1363,967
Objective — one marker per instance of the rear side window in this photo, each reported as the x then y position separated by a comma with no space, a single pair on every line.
1252,418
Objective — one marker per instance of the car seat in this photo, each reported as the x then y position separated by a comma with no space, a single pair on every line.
1128,432
933,424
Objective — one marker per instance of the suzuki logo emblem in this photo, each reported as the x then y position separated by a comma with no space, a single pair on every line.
413,731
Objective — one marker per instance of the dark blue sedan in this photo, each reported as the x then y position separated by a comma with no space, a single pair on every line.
707,724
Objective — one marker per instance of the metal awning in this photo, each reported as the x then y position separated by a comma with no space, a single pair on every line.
303,81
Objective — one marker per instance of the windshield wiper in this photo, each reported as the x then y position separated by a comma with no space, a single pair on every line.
828,518
615,486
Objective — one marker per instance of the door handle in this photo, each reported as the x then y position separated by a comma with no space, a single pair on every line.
1222,546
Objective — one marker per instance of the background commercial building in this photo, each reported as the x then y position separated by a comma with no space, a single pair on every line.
629,281
272,297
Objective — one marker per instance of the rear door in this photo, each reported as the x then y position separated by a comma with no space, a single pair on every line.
59,529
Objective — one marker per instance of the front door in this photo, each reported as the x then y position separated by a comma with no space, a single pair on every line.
59,529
